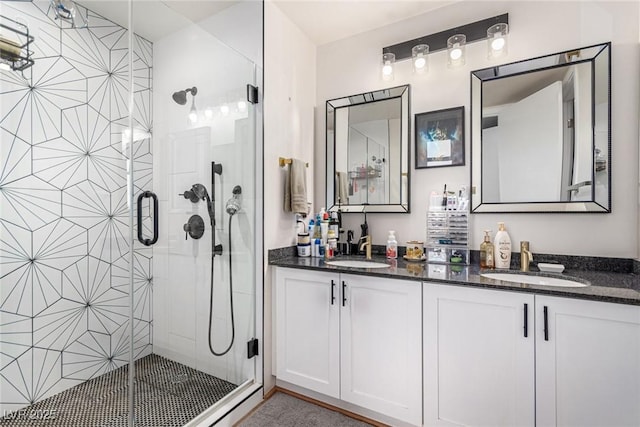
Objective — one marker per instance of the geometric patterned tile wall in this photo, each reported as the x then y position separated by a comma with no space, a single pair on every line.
64,293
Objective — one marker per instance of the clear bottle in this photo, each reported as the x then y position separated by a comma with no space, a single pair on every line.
392,245
317,233
502,248
486,251
332,245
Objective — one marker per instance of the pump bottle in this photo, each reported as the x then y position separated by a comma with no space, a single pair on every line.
486,252
392,245
502,251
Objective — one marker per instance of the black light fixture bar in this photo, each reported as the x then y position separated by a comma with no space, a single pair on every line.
438,41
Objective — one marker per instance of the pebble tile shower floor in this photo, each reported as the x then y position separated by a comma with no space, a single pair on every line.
167,394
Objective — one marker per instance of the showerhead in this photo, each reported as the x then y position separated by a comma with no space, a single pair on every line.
181,96
200,191
234,204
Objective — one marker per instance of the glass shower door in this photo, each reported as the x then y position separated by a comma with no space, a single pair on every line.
196,294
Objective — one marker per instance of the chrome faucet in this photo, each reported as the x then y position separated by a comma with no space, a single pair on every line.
525,256
366,245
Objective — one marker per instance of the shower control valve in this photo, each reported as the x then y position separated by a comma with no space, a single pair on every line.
194,227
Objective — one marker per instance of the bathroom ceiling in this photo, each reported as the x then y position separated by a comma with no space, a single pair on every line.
324,21
154,19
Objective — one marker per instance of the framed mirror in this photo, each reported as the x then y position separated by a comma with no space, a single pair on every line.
541,134
368,151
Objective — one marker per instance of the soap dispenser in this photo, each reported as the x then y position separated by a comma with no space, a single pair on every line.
392,245
502,251
486,251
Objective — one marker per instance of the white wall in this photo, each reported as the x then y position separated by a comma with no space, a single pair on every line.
351,66
289,100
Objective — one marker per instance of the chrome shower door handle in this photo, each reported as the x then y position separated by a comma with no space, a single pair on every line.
154,239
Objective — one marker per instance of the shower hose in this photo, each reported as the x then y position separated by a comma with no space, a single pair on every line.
233,328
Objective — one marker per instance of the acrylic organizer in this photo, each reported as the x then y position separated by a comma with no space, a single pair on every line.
447,236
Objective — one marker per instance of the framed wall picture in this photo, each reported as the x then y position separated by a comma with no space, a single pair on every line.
440,138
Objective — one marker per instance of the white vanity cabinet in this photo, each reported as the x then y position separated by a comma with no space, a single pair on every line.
356,338
578,365
307,329
478,357
381,346
587,363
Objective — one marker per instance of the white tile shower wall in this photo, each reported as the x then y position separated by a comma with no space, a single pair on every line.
183,156
351,66
64,218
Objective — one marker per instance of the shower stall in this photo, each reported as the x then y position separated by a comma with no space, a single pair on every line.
130,193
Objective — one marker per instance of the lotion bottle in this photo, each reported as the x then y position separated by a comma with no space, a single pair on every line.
502,251
486,252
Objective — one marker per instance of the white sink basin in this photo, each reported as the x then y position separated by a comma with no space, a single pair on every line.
357,263
534,280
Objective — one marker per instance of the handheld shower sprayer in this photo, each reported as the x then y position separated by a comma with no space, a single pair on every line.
200,191
234,204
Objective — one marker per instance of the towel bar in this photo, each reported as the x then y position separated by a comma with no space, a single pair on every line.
282,162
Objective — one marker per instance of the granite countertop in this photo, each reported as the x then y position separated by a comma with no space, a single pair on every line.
608,286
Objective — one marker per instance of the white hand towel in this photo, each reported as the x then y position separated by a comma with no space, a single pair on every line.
295,191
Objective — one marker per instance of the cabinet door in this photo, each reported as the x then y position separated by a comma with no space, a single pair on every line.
381,346
307,329
587,364
478,363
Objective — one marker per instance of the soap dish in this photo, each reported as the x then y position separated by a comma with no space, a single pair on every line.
550,268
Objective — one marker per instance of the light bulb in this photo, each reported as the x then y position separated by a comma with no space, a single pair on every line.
497,44
387,66
455,53
193,112
224,109
456,45
420,53
208,113
242,105
497,38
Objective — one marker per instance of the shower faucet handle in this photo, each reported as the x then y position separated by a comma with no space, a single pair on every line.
190,195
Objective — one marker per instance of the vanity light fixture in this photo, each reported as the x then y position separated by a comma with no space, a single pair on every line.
193,113
453,40
497,40
388,59
456,46
420,58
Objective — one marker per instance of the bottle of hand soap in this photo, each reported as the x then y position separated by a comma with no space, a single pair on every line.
486,252
502,244
392,245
